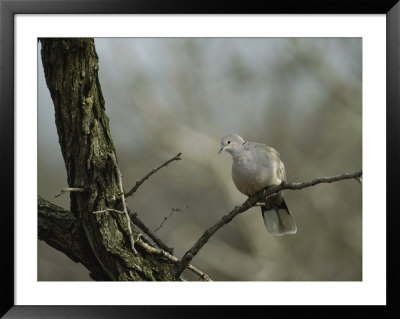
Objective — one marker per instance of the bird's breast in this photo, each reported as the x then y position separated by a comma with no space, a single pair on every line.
249,178
244,176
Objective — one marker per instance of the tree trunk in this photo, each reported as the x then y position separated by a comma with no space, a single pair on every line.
99,241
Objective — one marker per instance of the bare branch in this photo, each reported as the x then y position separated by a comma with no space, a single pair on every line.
180,209
121,189
70,189
250,202
296,186
153,171
108,210
197,271
61,230
136,220
164,254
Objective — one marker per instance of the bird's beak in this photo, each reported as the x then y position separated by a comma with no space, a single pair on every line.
221,149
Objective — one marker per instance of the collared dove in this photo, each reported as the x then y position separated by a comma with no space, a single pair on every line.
256,166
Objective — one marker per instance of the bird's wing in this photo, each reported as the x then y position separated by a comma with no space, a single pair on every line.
268,158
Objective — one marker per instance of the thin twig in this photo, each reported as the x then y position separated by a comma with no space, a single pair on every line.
153,171
180,209
136,220
197,271
121,189
296,186
108,210
250,202
164,254
70,189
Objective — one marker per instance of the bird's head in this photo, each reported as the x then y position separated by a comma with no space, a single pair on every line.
231,143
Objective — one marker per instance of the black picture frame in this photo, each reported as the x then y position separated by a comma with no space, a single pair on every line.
8,10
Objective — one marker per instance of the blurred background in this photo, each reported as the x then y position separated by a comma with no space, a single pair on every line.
302,96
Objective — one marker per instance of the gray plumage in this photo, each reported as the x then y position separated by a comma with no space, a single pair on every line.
256,166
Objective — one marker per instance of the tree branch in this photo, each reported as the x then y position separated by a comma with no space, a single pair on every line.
173,210
153,171
164,254
297,186
121,189
148,248
136,220
250,202
70,189
61,230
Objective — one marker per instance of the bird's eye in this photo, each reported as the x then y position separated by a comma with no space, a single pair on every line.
229,142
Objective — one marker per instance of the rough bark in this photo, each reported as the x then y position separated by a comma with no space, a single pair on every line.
61,230
100,241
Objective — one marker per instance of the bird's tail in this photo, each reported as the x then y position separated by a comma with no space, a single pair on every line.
278,220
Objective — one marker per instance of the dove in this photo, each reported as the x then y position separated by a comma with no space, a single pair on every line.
256,166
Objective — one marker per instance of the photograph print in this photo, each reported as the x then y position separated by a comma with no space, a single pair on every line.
200,159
